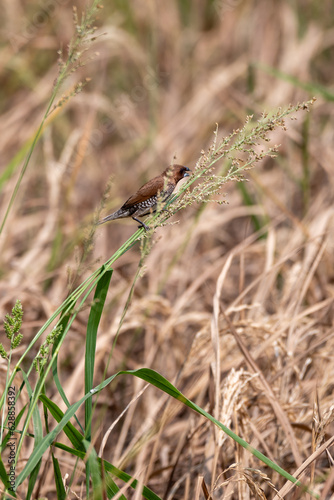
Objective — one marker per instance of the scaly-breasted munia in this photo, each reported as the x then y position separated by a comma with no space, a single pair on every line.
144,201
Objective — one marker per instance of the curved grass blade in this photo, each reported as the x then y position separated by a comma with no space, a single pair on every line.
92,326
80,444
154,378
146,493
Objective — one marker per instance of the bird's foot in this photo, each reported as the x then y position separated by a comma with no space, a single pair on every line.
142,224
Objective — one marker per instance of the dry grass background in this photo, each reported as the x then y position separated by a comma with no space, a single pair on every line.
236,303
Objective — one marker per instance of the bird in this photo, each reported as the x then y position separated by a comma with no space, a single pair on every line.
145,200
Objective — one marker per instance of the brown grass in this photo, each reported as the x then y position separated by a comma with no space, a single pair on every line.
241,324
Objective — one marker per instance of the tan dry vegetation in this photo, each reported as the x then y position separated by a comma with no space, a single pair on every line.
240,320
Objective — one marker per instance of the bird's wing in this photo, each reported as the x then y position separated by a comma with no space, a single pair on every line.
148,190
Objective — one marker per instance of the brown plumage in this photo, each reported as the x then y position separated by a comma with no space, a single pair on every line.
144,201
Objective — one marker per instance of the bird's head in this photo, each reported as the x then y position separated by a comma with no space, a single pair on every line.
178,172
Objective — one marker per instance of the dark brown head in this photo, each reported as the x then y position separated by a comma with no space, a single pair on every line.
177,172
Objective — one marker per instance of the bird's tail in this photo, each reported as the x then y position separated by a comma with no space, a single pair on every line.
115,215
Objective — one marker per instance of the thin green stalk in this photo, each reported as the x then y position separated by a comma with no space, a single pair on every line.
42,380
89,284
4,395
66,306
77,40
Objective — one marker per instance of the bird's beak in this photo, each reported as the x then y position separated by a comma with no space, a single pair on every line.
186,173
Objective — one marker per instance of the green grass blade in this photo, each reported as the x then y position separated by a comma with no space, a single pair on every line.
76,439
4,476
92,327
49,438
66,307
71,432
160,382
17,421
94,468
61,493
146,493
47,368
